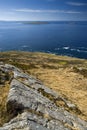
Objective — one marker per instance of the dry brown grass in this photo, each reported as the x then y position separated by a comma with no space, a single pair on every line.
3,97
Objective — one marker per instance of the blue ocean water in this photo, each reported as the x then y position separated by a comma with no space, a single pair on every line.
63,38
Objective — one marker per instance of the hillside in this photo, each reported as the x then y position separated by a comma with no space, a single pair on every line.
66,81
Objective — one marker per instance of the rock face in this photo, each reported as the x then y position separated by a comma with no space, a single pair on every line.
37,107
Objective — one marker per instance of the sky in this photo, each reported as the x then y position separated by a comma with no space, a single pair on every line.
43,10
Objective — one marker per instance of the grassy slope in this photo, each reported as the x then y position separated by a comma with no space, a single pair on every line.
60,73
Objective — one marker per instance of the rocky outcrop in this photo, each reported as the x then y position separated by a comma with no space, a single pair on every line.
36,107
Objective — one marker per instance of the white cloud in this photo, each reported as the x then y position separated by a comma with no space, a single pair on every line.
27,10
73,12
76,3
38,11
46,11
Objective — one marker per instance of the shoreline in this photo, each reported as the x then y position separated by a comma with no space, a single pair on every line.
49,53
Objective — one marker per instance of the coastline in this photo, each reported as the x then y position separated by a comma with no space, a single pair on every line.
43,52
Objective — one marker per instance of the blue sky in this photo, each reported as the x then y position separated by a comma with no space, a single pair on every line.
43,10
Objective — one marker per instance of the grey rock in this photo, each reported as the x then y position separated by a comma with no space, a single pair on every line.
22,122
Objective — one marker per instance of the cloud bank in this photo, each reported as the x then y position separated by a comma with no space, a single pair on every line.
46,11
76,4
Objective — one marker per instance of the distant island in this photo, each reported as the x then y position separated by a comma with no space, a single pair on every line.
35,22
55,22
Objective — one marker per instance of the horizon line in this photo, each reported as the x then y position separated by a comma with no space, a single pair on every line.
40,20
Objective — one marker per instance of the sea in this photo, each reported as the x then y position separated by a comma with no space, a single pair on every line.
57,37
